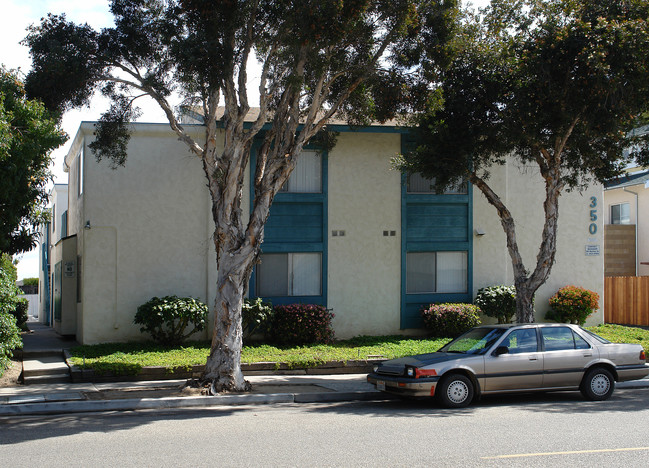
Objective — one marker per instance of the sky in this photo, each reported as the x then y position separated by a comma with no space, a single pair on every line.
17,16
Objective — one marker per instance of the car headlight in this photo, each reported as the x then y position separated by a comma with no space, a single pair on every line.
411,372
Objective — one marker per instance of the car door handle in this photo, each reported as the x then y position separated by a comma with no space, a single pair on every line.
588,354
533,358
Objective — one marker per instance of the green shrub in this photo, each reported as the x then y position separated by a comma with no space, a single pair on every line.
298,324
11,300
498,302
256,317
9,340
30,281
450,320
167,318
573,304
20,312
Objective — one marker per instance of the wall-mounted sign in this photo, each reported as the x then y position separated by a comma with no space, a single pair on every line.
592,250
592,227
68,269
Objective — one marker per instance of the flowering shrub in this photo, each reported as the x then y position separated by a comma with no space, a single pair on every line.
573,304
450,320
498,302
167,318
298,324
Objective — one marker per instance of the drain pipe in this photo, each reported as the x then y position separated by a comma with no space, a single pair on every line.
636,227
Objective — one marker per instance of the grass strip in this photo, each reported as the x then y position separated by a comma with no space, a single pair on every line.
129,358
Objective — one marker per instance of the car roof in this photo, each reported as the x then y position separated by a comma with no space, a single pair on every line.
507,326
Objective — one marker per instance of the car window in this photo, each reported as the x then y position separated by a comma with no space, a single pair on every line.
560,338
521,341
475,341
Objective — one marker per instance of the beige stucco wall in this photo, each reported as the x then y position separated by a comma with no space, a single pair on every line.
364,267
522,191
616,196
150,232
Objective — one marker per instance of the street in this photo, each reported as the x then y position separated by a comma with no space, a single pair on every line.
529,430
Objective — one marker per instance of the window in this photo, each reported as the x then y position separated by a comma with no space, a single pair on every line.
436,272
289,274
521,341
54,218
562,338
80,173
417,183
620,214
307,175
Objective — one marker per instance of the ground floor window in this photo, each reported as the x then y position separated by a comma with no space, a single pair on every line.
289,274
436,272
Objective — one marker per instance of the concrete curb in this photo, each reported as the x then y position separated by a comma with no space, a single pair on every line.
90,406
352,366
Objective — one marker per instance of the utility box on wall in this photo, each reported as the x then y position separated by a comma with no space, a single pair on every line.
65,286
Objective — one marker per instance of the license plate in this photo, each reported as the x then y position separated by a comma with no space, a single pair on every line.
380,385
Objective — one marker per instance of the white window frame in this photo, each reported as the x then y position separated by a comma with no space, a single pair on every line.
620,218
80,173
435,288
292,284
292,185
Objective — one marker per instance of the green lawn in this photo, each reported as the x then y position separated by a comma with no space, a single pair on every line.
128,358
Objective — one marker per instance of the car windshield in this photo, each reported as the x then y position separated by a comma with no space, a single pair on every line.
597,337
475,341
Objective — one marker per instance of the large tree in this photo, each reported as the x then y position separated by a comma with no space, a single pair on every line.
558,84
318,58
28,134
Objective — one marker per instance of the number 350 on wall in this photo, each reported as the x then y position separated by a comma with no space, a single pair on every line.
592,228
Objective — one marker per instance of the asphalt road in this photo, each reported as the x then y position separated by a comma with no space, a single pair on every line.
531,430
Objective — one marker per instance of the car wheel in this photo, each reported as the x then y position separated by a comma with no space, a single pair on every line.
598,384
455,391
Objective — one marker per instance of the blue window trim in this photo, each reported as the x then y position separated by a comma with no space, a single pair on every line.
269,247
432,246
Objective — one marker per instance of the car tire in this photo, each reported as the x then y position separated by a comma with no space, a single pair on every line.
598,384
455,391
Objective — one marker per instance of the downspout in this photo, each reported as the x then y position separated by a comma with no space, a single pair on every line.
636,227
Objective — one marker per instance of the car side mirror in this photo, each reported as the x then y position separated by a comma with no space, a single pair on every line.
501,350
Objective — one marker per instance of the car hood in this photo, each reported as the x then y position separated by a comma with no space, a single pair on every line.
396,366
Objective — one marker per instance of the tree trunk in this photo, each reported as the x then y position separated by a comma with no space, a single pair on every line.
223,367
525,302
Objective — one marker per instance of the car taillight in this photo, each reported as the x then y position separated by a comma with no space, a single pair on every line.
642,356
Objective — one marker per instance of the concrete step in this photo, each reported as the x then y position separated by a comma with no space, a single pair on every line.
47,379
45,369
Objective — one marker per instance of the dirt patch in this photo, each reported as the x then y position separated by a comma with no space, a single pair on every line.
11,376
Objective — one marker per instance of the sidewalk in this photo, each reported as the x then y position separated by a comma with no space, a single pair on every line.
67,397
120,396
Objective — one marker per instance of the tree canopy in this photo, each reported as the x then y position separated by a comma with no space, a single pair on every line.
556,83
28,134
318,58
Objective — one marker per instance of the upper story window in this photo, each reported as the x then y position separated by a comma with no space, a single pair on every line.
307,175
620,214
80,173
417,183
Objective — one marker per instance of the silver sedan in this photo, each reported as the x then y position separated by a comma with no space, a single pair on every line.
514,358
